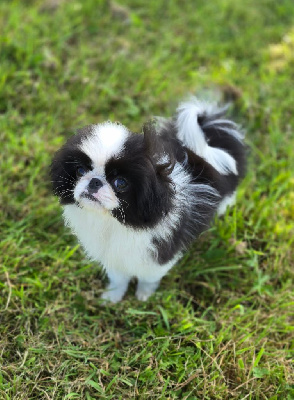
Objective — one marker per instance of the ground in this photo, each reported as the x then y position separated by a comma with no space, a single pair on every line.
220,325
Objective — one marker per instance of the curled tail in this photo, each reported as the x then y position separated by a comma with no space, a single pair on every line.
203,128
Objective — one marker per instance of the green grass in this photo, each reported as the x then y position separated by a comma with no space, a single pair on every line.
220,325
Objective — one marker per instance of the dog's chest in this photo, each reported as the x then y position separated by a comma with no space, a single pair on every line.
116,246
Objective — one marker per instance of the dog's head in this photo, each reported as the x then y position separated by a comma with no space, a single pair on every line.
106,168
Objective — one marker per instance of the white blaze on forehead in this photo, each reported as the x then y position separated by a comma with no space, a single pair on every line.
105,141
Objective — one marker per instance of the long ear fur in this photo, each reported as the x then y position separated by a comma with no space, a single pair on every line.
158,151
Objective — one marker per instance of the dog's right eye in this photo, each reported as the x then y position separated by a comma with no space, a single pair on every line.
80,171
120,184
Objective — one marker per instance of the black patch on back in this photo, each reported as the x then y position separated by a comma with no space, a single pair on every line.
196,218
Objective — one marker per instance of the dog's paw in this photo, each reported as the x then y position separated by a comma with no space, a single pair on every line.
143,295
145,290
112,296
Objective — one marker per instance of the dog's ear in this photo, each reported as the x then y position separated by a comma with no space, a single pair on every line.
151,142
158,150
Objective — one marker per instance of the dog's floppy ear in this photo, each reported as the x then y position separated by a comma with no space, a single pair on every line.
151,141
157,150
155,194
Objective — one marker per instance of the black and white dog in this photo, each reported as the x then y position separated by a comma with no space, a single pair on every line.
137,201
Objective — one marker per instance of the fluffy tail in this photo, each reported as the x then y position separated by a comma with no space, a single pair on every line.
203,128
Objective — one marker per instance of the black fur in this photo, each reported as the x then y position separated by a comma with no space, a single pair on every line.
197,219
151,192
64,165
149,197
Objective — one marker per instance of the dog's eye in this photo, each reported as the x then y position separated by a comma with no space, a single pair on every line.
80,171
120,184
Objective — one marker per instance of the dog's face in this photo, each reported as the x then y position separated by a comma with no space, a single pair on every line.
106,168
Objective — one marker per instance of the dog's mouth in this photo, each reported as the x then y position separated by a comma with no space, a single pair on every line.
95,201
89,197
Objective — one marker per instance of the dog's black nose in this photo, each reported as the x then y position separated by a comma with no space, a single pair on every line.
94,185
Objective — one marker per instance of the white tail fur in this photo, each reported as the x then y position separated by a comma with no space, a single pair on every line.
192,135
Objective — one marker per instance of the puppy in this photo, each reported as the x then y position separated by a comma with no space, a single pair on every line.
137,201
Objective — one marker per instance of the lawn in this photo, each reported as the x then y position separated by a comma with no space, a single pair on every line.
220,325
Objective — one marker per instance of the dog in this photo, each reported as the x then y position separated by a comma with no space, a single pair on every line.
137,201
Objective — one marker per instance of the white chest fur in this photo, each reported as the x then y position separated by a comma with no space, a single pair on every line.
117,247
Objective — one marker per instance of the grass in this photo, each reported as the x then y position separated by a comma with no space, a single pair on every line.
220,326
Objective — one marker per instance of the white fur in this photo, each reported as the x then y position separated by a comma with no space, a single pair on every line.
105,195
106,141
225,203
145,289
191,134
186,195
125,252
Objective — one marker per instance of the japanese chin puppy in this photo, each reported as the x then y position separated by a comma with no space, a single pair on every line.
137,201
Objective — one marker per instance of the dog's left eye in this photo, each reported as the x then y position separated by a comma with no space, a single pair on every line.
80,171
120,184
